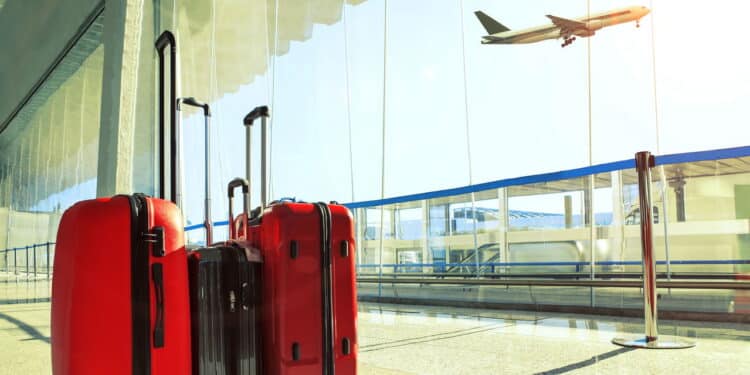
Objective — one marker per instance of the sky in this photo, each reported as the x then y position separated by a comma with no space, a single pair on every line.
454,112
526,106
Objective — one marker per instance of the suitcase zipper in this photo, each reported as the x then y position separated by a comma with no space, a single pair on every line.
326,286
140,300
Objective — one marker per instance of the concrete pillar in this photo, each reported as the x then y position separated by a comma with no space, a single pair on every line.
426,235
588,202
392,226
448,222
678,184
503,225
128,91
617,235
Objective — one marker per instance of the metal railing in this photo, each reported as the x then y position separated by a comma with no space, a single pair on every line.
735,285
31,261
576,267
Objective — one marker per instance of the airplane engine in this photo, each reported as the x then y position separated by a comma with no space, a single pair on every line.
584,33
594,25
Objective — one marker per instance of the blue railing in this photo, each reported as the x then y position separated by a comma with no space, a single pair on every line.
526,264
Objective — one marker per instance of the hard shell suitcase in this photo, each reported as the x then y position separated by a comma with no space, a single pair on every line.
225,307
309,299
224,292
120,301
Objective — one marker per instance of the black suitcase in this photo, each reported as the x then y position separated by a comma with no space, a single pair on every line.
224,294
225,301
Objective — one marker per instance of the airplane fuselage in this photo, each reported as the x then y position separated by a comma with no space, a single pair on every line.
590,24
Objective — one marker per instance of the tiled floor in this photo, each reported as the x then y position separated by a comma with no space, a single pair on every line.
397,339
24,338
432,340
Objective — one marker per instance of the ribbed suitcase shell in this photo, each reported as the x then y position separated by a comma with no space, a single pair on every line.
225,309
105,294
289,237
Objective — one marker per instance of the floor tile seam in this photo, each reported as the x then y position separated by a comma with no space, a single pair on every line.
469,313
480,327
431,341
24,310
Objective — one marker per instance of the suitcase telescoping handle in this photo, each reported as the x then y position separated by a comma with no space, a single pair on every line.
207,163
262,113
238,182
164,40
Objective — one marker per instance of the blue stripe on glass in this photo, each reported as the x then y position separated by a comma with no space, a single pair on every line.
687,157
724,153
545,177
200,226
193,227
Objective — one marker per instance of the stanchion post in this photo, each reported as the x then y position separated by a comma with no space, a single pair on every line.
644,161
15,261
27,262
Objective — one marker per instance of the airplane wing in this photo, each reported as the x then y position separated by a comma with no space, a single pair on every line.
566,24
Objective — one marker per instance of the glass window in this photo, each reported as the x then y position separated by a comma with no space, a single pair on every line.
50,148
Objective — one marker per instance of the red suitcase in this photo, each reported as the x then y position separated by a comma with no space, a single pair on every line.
120,301
309,300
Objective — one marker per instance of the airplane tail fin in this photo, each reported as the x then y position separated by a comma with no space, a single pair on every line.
492,26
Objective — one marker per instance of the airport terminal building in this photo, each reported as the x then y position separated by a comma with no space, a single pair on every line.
486,151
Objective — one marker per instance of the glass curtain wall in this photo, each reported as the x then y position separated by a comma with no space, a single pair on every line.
378,98
566,230
50,149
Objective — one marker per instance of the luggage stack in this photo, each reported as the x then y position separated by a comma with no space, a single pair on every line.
277,297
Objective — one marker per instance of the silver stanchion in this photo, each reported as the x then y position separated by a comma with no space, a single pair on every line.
643,163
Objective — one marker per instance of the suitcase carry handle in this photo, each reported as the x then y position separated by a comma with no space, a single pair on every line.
194,103
262,113
207,163
234,184
164,40
256,113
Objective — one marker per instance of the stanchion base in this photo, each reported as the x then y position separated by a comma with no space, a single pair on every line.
660,343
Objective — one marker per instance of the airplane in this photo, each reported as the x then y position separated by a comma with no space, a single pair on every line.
565,28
